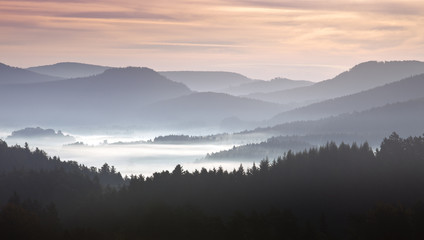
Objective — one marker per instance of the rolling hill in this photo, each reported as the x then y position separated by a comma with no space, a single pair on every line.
260,86
404,118
69,69
203,81
208,108
362,77
400,91
14,75
110,97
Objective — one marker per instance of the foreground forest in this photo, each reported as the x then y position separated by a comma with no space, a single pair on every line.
331,192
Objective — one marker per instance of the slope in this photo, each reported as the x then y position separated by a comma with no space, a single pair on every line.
208,108
404,118
260,86
361,77
111,97
400,91
204,81
14,75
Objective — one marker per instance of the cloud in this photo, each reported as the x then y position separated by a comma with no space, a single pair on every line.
197,47
115,15
379,6
214,33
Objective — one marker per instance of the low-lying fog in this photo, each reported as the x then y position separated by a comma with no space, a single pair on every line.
145,158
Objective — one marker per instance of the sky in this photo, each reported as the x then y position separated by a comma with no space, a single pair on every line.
304,39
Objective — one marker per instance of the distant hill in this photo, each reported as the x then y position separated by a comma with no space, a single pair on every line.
39,134
69,69
404,118
207,108
400,91
362,77
260,86
111,97
14,75
203,81
271,148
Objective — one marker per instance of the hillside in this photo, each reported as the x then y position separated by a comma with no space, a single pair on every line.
330,192
14,75
69,69
260,86
400,91
404,118
272,148
362,77
203,81
207,108
111,97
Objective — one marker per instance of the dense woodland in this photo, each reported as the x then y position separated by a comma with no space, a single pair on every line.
272,148
344,191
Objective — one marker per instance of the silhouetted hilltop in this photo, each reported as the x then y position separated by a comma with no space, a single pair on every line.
204,81
40,134
260,86
362,77
69,69
400,91
14,75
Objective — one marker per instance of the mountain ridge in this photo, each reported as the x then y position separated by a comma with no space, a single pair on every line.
401,117
260,86
15,75
211,108
361,77
205,81
403,90
114,95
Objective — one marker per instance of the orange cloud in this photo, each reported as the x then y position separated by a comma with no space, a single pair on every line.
261,39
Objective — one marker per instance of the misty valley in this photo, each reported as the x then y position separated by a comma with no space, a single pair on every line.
99,152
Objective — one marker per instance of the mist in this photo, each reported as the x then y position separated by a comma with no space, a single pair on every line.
130,158
210,154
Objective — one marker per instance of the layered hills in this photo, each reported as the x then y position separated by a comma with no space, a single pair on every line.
399,91
14,75
361,77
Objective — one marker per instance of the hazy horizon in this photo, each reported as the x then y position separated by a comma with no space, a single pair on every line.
300,40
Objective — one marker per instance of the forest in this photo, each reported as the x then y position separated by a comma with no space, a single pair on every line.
344,191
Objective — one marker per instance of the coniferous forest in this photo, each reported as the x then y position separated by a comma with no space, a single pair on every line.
344,191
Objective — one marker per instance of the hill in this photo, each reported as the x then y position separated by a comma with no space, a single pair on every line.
208,108
69,69
403,117
260,86
400,91
272,148
40,135
14,75
203,81
362,77
111,97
